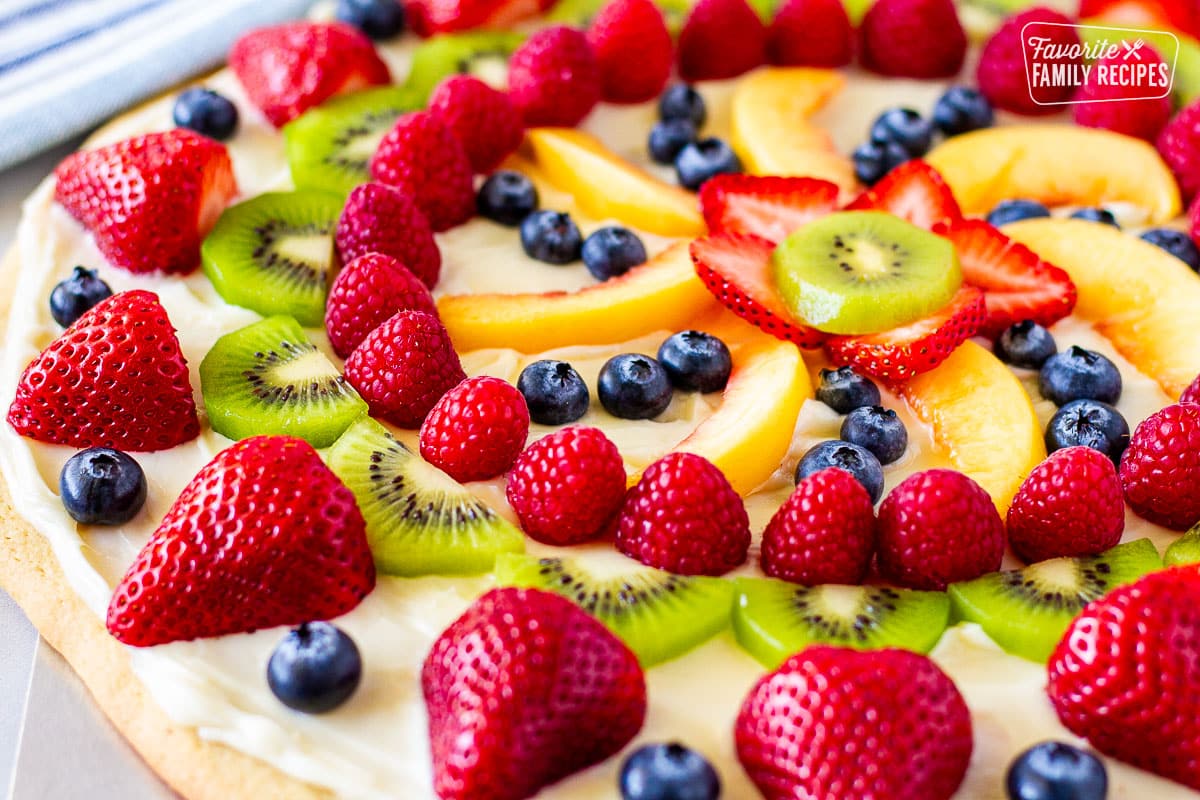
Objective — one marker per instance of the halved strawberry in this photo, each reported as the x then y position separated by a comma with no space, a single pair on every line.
1018,285
767,206
736,268
913,191
901,353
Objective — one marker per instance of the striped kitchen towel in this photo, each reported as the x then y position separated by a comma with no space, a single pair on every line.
67,65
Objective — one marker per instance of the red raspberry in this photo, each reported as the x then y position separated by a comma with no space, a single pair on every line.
811,33
721,39
1070,505
383,219
634,50
366,294
421,156
1192,393
1179,145
553,79
1161,467
938,527
476,430
683,516
567,487
483,119
913,39
1002,73
1102,104
823,533
404,367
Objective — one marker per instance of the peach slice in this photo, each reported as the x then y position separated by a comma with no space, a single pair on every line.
1058,165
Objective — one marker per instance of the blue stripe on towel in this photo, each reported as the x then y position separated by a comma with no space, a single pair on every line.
34,9
79,35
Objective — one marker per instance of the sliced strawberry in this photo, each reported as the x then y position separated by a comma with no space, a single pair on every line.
766,206
1017,284
736,268
915,348
913,191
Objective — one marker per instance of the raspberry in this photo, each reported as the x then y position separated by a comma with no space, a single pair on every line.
1192,393
383,219
633,49
811,33
1002,72
482,119
1179,145
913,39
721,39
1161,467
1102,105
553,79
476,430
365,294
421,156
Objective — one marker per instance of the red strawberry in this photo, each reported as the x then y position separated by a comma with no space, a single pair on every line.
1192,393
476,430
918,347
554,79
823,533
913,38
383,219
1179,145
721,39
683,516
116,378
404,367
150,200
834,723
567,486
1002,73
769,207
937,527
1182,15
1160,469
1017,285
811,33
522,690
736,268
634,50
1194,218
422,157
264,535
1102,103
287,69
483,119
913,191
366,294
1122,673
427,17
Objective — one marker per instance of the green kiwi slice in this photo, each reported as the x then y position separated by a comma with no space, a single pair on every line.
774,619
419,520
481,53
1185,549
272,254
268,378
1026,611
660,615
859,272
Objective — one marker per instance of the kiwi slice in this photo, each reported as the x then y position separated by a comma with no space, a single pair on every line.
420,521
859,272
1185,549
581,12
774,619
660,615
268,378
481,53
272,254
1026,611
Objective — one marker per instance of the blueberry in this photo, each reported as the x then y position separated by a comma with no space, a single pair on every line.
668,137
554,392
1078,374
551,236
1056,771
1177,243
506,197
315,668
668,772
1007,211
904,127
874,160
962,110
844,390
699,161
1101,215
612,251
634,386
681,101
206,112
70,299
379,19
1089,423
696,361
858,461
878,429
102,486
1025,344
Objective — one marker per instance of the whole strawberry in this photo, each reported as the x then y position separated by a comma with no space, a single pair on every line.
811,33
823,533
149,200
384,219
481,118
567,487
721,39
404,367
264,535
420,155
367,293
840,724
554,79
684,517
115,378
633,50
1002,73
1102,104
427,17
1192,393
522,690
1121,673
1179,145
476,430
1070,505
1160,469
913,39
937,527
